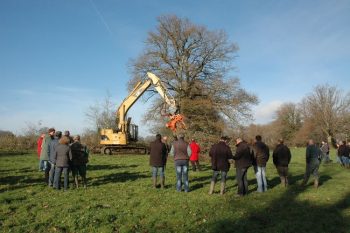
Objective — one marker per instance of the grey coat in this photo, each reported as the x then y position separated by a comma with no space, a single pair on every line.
63,155
52,150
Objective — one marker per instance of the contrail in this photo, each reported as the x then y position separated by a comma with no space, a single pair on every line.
101,17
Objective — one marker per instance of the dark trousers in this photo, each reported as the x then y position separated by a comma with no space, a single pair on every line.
242,181
195,165
283,173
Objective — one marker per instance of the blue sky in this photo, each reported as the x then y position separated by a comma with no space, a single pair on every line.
59,57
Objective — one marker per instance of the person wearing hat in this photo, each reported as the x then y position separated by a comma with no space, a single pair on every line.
181,152
221,156
52,160
79,160
45,153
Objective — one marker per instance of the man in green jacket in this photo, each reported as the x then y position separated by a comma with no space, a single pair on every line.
45,153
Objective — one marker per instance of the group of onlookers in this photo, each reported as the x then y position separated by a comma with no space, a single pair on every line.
343,154
61,154
255,154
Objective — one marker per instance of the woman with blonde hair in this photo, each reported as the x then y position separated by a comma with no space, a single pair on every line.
63,156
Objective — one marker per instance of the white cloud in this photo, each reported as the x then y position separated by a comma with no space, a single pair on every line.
265,112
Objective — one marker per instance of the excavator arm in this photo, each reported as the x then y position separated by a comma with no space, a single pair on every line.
136,93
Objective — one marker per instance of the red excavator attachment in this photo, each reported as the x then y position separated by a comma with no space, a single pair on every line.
176,121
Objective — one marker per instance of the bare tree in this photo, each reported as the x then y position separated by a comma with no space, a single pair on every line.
102,114
194,63
328,108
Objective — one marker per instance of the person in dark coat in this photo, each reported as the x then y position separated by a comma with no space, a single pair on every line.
80,157
261,155
157,160
63,156
313,158
243,160
343,153
281,159
181,152
221,156
54,142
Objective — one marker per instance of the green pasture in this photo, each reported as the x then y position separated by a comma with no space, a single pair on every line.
119,198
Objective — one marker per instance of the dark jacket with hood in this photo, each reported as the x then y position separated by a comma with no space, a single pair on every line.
281,156
261,154
158,153
243,155
79,155
220,153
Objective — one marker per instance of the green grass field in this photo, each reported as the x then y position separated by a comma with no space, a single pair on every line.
119,198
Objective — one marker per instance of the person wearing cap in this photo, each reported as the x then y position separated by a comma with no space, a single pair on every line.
281,158
79,160
45,153
221,156
63,156
181,152
194,158
157,160
244,159
52,161
261,156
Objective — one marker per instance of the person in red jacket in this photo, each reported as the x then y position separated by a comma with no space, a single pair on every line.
195,155
39,144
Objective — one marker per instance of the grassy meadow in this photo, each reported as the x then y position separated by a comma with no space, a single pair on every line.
119,198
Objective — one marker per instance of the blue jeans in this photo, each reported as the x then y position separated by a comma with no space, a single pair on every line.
215,175
43,165
155,171
345,160
182,175
52,173
260,174
57,179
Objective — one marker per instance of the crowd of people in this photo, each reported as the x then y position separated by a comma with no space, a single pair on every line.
255,154
61,153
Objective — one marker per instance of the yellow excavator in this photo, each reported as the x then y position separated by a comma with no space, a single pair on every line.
124,138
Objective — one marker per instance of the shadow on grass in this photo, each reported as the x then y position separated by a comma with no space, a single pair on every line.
92,167
288,214
118,178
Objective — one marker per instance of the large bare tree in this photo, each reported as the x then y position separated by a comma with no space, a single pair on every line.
328,108
194,63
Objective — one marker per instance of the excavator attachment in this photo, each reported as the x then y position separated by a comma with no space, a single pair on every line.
176,121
